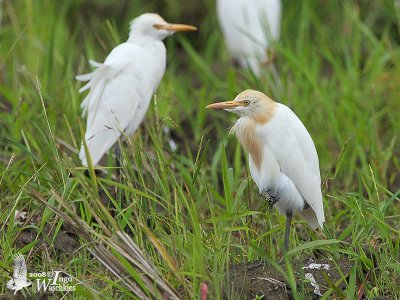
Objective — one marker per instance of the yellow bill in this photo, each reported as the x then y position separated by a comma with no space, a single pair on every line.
225,105
176,27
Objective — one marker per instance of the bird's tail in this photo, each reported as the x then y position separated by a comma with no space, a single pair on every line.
311,218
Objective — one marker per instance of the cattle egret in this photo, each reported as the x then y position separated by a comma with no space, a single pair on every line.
121,88
248,27
283,160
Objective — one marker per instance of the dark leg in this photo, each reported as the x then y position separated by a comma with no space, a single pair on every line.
118,165
289,215
118,157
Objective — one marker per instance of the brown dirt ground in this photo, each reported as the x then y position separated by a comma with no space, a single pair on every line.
259,278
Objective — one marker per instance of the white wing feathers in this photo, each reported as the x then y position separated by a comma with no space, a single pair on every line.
297,158
98,79
120,92
303,168
87,77
307,178
103,104
248,26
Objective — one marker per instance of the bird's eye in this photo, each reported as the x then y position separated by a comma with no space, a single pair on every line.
246,103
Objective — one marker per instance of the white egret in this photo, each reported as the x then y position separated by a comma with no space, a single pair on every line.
121,88
283,160
248,27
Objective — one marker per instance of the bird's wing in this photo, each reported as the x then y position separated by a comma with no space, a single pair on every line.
20,269
98,79
272,11
248,25
294,150
120,92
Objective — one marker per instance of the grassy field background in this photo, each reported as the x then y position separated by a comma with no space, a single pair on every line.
195,211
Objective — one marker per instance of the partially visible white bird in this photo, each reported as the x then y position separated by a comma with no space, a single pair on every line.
248,27
283,160
19,279
121,88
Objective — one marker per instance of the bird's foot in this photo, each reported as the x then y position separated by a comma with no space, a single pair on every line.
271,197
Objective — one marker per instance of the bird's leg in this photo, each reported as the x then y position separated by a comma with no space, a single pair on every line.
118,158
289,215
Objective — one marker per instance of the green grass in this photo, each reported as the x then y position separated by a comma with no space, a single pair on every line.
196,211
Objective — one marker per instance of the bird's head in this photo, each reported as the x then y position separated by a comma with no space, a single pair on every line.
249,103
153,25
